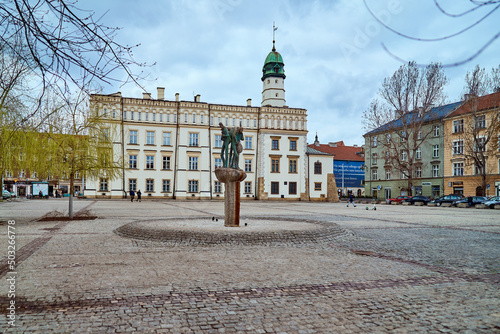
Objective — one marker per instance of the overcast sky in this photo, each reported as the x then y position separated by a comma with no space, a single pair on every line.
332,49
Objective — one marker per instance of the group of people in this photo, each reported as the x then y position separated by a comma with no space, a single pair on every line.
132,195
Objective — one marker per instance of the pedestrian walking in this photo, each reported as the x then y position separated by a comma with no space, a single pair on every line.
351,200
139,195
132,195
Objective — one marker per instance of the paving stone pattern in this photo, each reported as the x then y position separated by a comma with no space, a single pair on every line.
396,270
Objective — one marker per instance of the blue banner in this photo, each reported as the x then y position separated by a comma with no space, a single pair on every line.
350,172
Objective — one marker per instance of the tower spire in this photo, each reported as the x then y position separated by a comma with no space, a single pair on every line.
274,36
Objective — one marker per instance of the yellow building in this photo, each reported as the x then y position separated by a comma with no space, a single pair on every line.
472,150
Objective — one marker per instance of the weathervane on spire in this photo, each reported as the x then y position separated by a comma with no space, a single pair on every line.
274,39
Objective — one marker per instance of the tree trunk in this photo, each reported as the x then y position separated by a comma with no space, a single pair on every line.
71,186
483,184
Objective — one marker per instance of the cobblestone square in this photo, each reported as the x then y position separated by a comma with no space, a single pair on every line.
397,269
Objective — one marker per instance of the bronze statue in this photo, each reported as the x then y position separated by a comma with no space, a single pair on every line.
230,155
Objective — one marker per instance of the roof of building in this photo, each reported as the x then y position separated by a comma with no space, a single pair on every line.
340,151
436,113
483,103
310,150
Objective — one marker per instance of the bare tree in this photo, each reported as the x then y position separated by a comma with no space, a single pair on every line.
481,126
411,92
376,115
64,44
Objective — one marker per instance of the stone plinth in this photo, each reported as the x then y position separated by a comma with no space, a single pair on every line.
231,178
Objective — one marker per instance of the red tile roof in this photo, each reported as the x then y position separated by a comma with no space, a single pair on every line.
483,103
340,151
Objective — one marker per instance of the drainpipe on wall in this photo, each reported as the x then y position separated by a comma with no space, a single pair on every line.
210,149
123,150
257,157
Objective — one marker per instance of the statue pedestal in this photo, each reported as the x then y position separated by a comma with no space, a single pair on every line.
231,178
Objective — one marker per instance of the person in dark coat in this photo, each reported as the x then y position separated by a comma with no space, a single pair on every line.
351,200
132,194
139,195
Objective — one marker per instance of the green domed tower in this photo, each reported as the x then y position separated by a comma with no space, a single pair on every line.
273,78
274,65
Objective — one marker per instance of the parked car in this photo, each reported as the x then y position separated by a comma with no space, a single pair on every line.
447,199
5,194
421,199
492,202
473,201
398,199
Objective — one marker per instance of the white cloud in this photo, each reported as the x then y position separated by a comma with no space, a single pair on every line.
332,50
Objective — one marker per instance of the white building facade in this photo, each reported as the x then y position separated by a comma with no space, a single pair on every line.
171,148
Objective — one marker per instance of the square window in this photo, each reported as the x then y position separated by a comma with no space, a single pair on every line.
248,143
435,170
133,137
435,151
435,130
193,186
275,144
480,122
458,147
317,167
217,187
317,186
165,186
248,165
293,145
150,137
132,184
193,163
418,172
218,141
193,139
418,153
218,163
275,165
292,168
150,185
458,126
458,168
103,184
167,136
275,188
132,161
150,162
165,162
248,187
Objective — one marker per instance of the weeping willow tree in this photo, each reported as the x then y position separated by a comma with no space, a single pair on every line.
80,143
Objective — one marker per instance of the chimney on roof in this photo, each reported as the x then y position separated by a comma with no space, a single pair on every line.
177,97
160,93
146,96
197,98
249,102
467,97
